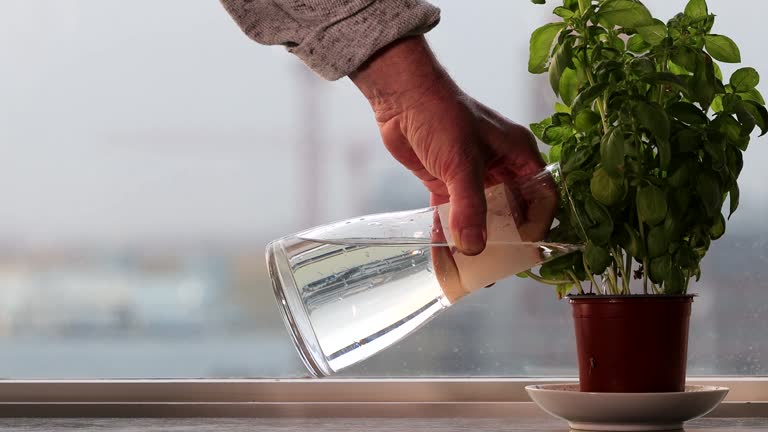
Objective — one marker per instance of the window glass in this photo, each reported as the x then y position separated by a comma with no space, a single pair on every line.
150,151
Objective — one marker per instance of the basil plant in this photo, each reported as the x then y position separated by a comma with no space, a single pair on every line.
650,138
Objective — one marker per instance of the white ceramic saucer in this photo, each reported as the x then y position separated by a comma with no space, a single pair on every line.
626,411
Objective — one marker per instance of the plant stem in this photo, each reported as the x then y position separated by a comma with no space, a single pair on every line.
645,258
588,68
577,282
620,270
628,271
656,290
613,285
588,271
663,63
540,279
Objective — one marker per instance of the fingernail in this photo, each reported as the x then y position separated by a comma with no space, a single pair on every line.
472,240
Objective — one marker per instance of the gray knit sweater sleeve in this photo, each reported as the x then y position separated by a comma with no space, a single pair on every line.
333,37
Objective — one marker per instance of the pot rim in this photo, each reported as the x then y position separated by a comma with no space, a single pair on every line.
631,295
625,298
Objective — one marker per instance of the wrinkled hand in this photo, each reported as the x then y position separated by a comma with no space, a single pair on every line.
454,144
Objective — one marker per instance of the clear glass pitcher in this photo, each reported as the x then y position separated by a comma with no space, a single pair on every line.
350,289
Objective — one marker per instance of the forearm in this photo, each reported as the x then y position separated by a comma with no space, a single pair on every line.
333,37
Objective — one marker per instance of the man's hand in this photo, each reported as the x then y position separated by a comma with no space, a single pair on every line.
454,144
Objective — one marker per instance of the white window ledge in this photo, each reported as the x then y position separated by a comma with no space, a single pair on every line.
469,397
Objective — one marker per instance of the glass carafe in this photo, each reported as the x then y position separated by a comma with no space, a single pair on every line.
350,289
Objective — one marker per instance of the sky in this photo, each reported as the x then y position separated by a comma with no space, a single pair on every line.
142,121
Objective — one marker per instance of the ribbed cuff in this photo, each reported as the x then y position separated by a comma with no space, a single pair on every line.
337,50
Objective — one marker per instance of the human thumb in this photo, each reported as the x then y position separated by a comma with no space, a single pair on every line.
468,211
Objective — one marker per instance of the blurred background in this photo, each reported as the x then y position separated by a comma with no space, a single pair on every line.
149,151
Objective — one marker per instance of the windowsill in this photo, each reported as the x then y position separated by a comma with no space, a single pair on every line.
342,425
392,398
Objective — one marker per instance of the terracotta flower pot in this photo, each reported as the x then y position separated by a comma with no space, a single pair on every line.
632,344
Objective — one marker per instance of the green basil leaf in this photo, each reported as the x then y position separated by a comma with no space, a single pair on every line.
702,83
625,13
685,57
541,45
735,161
653,118
729,127
680,176
660,268
672,227
562,290
730,101
637,44
597,257
630,242
715,148
686,257
665,153
717,104
708,188
753,95
557,66
606,189
675,281
688,140
538,128
586,120
562,108
612,151
642,66
759,113
554,135
576,177
577,159
722,48
651,204
550,271
554,154
569,86
666,78
745,79
733,197
654,33
696,9
718,228
748,117
563,12
687,113
658,242
587,96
